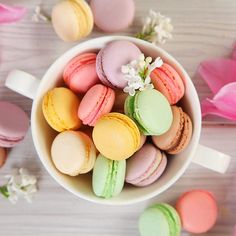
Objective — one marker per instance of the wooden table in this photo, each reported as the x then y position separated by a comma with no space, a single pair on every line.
203,29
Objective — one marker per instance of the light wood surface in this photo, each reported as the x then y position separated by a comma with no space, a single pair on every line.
203,30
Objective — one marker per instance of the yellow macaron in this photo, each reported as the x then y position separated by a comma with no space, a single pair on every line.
60,106
72,19
116,136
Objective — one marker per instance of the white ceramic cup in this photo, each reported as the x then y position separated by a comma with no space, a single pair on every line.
81,186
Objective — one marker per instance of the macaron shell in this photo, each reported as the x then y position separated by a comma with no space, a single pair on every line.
140,162
113,15
61,24
97,101
185,136
80,73
60,107
108,177
116,136
77,23
14,124
91,154
160,219
3,156
198,211
152,111
70,152
156,174
172,136
110,60
168,81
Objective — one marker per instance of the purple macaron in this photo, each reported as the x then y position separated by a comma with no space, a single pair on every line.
112,16
111,58
14,124
145,166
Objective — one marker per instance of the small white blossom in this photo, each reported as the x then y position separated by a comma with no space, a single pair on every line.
137,73
157,28
39,16
21,185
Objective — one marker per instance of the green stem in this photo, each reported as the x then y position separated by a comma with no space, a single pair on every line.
4,191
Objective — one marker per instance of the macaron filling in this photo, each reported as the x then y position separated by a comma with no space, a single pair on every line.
172,217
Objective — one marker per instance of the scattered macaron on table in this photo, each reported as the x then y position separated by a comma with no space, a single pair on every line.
196,212
116,121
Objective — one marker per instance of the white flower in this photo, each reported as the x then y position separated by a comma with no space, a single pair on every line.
39,16
157,28
21,185
137,73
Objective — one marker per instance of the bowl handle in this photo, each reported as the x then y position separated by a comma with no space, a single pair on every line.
22,83
211,159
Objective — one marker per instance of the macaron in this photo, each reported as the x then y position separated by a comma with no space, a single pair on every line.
14,124
120,98
150,110
73,153
159,219
145,166
167,80
112,16
111,58
143,139
60,106
97,102
177,138
198,211
116,136
80,73
108,177
3,156
72,19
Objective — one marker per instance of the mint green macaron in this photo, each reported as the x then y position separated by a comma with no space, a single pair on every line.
160,220
108,177
150,110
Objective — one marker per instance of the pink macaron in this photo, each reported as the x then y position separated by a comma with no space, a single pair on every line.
145,166
113,15
198,211
96,102
111,58
14,124
167,80
80,73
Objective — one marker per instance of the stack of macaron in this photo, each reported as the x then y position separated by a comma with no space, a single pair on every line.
196,212
102,128
108,16
14,124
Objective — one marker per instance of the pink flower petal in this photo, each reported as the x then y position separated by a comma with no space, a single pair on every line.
223,103
218,73
11,14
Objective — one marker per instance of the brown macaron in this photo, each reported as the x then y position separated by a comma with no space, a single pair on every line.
177,138
3,156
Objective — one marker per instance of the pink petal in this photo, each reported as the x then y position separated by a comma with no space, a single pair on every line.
11,14
223,104
218,73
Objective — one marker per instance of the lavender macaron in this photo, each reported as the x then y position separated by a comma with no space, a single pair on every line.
111,58
145,166
14,124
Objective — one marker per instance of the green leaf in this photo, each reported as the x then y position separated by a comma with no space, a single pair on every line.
4,191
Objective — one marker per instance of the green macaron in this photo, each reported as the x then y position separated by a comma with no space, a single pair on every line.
108,177
150,110
160,220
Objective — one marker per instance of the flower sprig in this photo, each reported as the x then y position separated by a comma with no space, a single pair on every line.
137,73
157,28
19,185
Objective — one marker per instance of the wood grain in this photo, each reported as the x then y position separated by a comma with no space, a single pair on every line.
203,30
